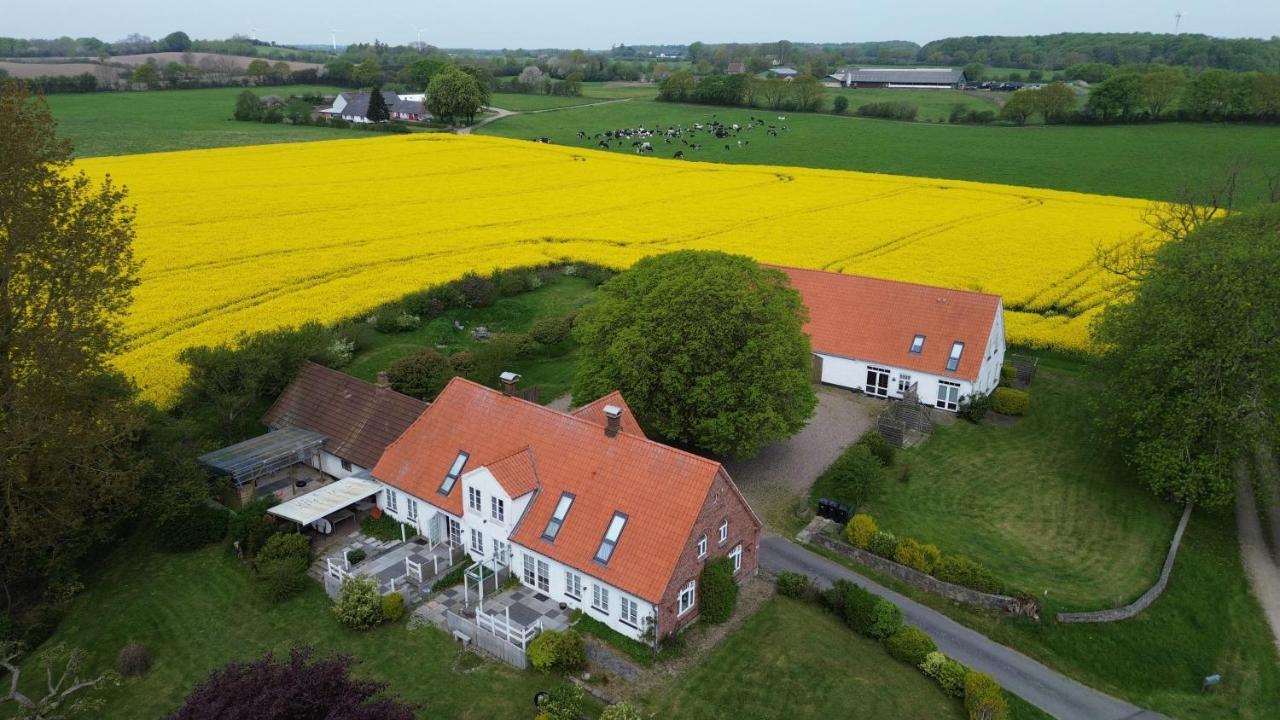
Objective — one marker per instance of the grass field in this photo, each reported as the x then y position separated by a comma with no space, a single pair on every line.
1038,501
197,611
551,371
123,123
792,661
1146,161
237,240
933,105
523,102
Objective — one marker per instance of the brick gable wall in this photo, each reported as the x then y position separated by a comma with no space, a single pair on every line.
723,501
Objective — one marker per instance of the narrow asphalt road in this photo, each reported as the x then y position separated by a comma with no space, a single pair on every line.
1048,690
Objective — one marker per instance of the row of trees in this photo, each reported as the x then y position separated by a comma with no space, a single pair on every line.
803,93
1210,95
1061,50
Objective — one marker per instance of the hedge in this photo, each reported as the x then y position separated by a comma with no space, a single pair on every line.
793,584
854,478
886,619
948,673
1008,401
963,571
1008,374
884,544
910,645
917,555
860,530
719,592
882,449
983,699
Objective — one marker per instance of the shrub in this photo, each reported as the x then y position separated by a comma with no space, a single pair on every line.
551,331
833,598
886,619
793,584
621,711
854,478
882,449
917,555
1008,375
839,104
512,282
893,110
910,645
966,572
860,610
883,544
281,578
543,650
477,291
251,526
463,362
975,407
361,335
983,699
860,530
192,528
395,319
948,673
422,375
133,659
718,594
571,653
294,547
1008,401
510,345
358,605
392,607
431,302
564,703
355,556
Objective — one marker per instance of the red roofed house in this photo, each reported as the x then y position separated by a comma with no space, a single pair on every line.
885,337
581,506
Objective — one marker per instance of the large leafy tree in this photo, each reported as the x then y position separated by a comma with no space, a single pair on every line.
1191,371
454,95
66,276
708,348
301,687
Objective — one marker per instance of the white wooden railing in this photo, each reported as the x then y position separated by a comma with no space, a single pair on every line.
502,627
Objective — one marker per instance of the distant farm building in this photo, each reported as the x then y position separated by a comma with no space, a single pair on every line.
918,78
354,107
785,73
736,68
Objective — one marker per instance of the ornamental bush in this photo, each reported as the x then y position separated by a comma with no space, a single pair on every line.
281,579
886,619
839,104
551,331
422,375
860,610
543,649
975,407
293,547
882,449
1008,374
571,654
392,607
860,530
477,291
793,584
192,528
358,606
983,699
718,593
917,555
910,645
1008,401
883,544
621,711
948,673
833,598
963,571
133,659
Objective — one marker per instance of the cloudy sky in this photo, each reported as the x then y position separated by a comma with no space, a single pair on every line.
600,23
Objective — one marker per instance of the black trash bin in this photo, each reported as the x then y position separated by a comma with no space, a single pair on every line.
834,510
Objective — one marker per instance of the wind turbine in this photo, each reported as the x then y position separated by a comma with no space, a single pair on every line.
1177,20
420,38
253,33
333,38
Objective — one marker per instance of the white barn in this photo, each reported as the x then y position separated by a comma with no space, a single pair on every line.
886,338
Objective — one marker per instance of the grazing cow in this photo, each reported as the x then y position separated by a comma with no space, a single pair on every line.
646,147
604,144
726,147
679,155
581,134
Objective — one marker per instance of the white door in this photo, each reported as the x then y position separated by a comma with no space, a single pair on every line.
877,381
948,395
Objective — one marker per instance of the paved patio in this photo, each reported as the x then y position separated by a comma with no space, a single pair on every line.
385,561
526,607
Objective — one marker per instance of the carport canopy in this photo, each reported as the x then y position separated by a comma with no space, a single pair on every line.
306,509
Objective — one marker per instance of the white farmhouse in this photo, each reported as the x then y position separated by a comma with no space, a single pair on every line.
887,338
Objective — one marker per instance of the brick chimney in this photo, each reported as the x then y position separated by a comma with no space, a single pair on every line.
613,420
509,380
384,380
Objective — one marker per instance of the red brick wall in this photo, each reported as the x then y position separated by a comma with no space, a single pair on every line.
722,501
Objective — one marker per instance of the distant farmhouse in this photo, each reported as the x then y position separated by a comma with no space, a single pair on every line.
918,78
736,68
786,73
354,107
892,339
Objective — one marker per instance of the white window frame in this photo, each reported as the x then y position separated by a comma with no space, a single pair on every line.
630,612
702,546
542,575
600,598
724,531
475,498
500,550
413,509
346,466
687,599
904,383
917,345
573,585
529,574
736,556
477,542
391,500
497,508
455,472
948,403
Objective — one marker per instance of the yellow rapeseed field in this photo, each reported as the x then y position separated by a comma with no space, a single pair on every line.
251,238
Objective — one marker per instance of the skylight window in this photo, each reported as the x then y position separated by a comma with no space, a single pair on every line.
953,361
917,344
455,472
610,540
557,517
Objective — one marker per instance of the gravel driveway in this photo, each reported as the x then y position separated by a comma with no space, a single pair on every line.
786,469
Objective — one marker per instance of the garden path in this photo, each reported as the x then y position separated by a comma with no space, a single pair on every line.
1259,564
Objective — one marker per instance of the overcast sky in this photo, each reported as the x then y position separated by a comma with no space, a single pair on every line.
599,24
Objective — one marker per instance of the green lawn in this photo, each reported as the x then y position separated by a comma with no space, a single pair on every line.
532,101
792,661
124,123
1137,160
1036,501
197,611
550,370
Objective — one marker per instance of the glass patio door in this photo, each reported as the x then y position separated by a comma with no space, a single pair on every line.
877,382
455,531
948,395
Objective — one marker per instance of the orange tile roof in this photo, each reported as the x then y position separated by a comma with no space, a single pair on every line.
875,320
659,488
594,412
516,473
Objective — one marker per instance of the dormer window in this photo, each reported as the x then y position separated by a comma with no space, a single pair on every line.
455,472
953,361
917,344
610,541
557,517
